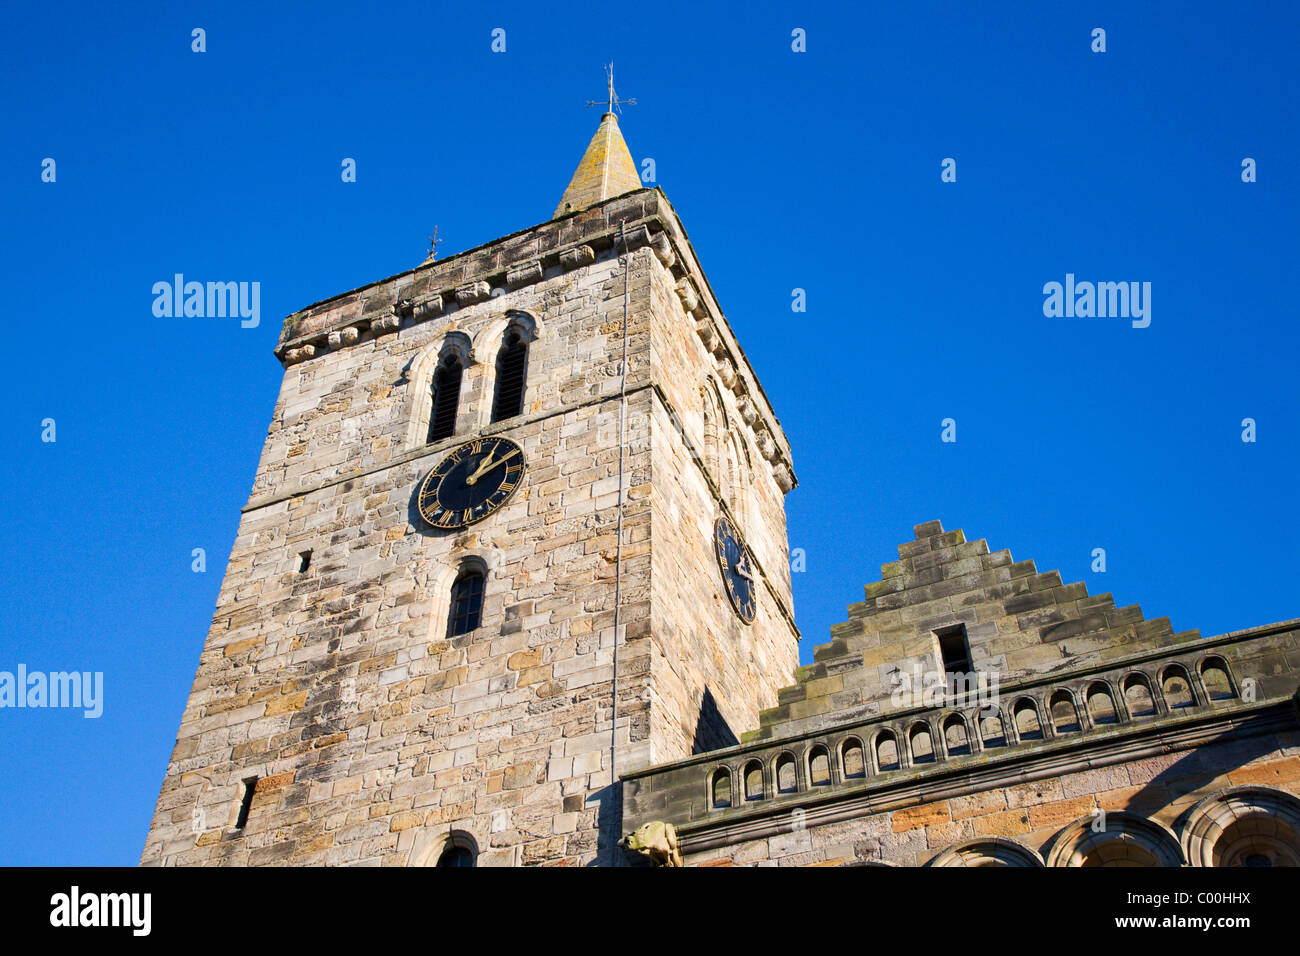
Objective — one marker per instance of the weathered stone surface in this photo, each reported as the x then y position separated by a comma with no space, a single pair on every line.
343,676
525,274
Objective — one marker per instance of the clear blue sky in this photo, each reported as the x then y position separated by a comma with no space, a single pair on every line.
818,170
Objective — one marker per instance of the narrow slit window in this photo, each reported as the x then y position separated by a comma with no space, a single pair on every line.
246,802
446,400
466,603
304,561
954,650
512,364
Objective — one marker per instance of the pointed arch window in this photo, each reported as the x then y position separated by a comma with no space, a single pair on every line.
512,369
466,603
446,399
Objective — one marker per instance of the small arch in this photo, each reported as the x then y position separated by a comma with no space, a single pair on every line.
1101,705
956,739
1217,679
1137,695
1065,718
920,745
720,789
447,357
1028,724
460,849
886,750
853,764
711,413
1176,687
466,607
987,851
787,780
1117,839
1250,826
992,733
737,477
753,781
445,399
511,376
819,767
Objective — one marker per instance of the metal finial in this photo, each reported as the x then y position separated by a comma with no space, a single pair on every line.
433,245
613,103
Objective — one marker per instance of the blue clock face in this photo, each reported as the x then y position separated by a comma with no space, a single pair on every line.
737,569
471,483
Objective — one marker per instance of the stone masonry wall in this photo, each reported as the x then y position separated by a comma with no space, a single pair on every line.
712,673
373,736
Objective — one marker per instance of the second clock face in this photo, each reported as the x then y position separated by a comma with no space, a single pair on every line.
737,569
471,482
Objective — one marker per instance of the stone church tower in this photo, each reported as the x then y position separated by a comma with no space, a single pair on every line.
380,688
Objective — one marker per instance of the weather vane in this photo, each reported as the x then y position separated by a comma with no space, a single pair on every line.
614,103
433,245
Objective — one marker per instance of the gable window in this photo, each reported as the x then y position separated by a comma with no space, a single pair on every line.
954,651
466,603
446,399
512,364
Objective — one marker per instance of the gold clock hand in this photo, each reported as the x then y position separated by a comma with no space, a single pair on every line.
486,465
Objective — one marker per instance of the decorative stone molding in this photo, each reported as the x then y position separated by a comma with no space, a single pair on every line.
473,293
1225,828
784,478
663,249
707,333
633,238
1126,837
987,851
524,274
300,354
386,323
726,374
426,307
690,298
766,444
576,257
343,337
747,409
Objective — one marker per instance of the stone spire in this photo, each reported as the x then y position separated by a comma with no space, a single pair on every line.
606,171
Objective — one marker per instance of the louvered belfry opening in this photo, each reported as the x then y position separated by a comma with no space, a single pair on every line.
510,377
446,397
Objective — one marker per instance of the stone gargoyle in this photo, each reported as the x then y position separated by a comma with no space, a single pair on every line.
657,842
